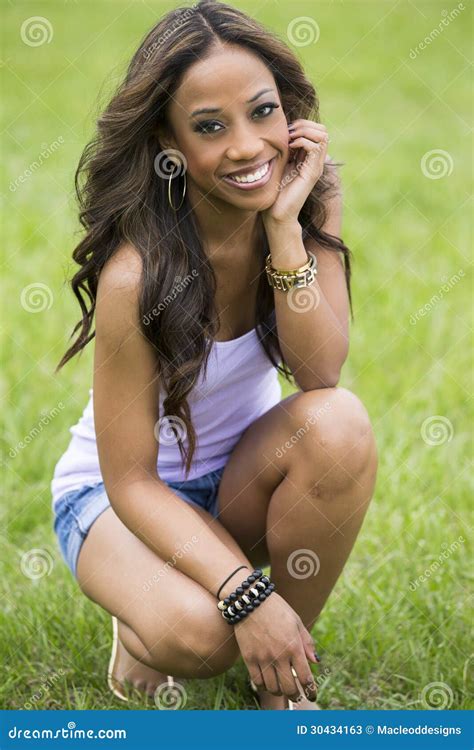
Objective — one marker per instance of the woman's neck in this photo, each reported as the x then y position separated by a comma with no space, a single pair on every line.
229,235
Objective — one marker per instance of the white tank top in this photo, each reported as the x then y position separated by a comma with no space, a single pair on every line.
240,385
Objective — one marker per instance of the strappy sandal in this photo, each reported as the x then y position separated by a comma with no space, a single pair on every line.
115,685
291,704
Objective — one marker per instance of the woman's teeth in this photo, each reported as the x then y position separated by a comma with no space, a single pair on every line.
253,176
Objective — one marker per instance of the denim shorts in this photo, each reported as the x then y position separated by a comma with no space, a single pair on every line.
76,511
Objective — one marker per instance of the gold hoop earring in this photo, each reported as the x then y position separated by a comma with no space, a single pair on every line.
176,208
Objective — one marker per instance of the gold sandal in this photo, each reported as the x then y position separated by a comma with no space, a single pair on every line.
291,704
115,685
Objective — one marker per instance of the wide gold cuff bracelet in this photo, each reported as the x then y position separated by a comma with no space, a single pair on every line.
297,277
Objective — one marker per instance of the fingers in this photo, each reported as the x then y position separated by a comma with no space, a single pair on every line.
265,678
304,675
310,144
313,132
308,137
295,678
312,154
270,678
308,643
255,674
287,681
308,129
293,673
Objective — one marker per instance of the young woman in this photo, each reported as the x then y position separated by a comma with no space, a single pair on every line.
212,261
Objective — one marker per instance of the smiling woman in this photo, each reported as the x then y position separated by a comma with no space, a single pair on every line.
242,142
213,216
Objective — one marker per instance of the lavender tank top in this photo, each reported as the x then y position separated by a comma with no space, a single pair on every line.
239,386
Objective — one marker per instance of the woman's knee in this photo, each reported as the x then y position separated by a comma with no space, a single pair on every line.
215,648
198,646
336,441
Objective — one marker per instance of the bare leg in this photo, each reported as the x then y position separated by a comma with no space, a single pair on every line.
315,513
296,489
167,622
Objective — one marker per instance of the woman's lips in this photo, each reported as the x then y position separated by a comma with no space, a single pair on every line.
252,185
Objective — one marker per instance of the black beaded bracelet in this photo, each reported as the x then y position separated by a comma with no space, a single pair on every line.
246,597
228,579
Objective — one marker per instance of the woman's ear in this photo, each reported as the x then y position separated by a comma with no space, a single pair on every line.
164,138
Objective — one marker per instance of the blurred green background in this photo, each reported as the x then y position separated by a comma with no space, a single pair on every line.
399,118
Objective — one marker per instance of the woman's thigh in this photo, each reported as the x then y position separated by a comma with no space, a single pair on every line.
174,617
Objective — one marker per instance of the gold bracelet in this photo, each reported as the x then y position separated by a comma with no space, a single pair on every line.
285,280
285,271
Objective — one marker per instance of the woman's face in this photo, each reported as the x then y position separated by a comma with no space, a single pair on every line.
227,117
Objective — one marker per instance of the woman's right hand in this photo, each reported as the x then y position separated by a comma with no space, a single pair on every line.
272,639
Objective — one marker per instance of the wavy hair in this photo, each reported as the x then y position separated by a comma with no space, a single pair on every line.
121,200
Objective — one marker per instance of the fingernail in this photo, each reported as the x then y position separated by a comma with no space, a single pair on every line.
316,656
311,693
291,127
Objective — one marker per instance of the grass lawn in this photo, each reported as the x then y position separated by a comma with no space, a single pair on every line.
394,633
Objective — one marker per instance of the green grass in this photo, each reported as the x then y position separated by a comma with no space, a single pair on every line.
382,643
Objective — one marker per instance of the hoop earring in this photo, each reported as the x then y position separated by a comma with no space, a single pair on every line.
176,208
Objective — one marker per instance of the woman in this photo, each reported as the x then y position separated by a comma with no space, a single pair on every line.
212,262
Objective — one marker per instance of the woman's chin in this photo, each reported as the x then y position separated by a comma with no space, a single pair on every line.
249,202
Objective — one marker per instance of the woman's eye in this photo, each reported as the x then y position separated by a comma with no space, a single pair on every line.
212,126
265,109
206,127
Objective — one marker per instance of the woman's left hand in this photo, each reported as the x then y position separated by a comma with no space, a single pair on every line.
308,150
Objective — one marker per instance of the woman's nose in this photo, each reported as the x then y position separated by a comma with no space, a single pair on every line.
245,145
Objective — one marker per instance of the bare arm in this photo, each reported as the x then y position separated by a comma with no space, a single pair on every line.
126,396
313,332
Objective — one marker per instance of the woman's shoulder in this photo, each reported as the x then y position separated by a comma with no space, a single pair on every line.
118,291
123,269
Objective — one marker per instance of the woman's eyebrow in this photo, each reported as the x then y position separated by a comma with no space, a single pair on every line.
213,110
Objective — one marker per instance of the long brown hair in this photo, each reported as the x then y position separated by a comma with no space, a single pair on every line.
121,200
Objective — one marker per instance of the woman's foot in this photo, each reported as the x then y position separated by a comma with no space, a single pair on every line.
125,671
129,670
